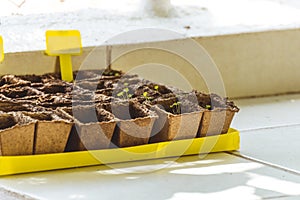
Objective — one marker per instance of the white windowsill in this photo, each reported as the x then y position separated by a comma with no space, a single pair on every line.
23,27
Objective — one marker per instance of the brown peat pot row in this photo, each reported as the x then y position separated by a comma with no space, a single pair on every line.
42,114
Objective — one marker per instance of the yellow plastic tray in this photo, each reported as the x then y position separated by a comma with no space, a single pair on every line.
34,163
1,49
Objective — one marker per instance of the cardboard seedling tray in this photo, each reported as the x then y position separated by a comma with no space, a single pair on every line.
44,162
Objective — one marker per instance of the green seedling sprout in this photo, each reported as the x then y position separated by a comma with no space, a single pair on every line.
176,107
125,94
145,94
126,90
208,107
120,94
156,87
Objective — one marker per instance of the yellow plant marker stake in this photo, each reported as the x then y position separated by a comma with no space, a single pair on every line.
64,44
1,50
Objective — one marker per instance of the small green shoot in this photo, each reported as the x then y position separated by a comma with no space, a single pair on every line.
124,94
156,87
208,107
109,72
120,94
176,107
145,94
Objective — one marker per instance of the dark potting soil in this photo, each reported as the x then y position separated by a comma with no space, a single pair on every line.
87,74
93,86
32,78
19,92
12,80
107,91
49,100
214,101
56,87
146,92
42,116
89,114
103,115
7,106
111,74
162,89
127,109
172,105
7,121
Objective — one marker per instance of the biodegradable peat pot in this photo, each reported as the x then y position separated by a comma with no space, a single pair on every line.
215,122
218,114
94,128
181,123
135,123
52,132
16,134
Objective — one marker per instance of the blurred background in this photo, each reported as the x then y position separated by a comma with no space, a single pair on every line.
23,22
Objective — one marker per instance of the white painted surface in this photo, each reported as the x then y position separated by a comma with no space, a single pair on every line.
290,198
23,25
270,130
279,146
267,112
218,176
